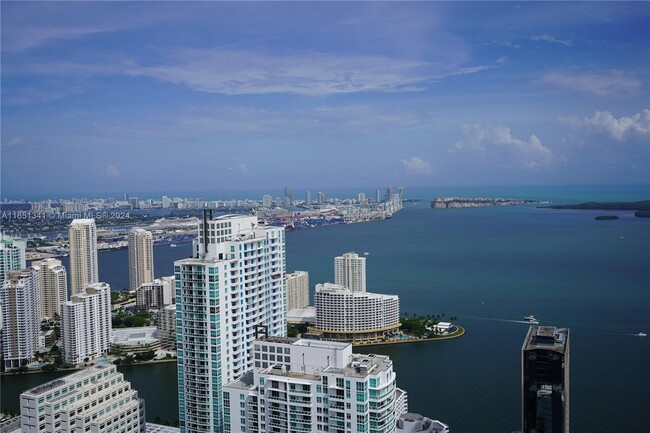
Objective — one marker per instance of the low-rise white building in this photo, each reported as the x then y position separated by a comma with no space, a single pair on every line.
358,317
132,341
86,324
302,385
416,423
96,400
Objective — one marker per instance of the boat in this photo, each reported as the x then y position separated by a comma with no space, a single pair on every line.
641,334
366,253
172,245
531,319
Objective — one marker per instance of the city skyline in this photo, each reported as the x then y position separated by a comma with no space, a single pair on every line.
414,94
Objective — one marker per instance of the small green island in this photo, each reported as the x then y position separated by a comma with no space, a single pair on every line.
641,208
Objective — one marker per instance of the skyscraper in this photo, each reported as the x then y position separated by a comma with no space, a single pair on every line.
288,201
140,258
307,198
297,290
86,324
320,197
83,254
21,319
12,255
350,271
545,380
53,283
378,196
400,192
235,281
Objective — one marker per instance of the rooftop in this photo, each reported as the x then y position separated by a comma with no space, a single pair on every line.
71,378
547,337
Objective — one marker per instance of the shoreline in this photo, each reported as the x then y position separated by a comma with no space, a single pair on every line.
71,370
457,334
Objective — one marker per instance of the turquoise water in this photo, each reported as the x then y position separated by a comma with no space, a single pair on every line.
490,267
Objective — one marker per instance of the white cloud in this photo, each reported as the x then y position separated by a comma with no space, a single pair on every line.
112,171
549,38
613,83
617,128
18,141
417,165
498,144
508,44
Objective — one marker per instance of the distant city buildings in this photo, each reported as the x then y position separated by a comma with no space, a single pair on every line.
267,201
140,258
303,385
155,295
235,281
377,196
320,197
361,198
83,254
545,380
21,318
96,400
350,271
400,193
307,198
12,255
297,290
53,284
358,317
86,324
288,200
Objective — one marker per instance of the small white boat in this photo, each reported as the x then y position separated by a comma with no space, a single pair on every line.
366,253
531,319
173,245
641,334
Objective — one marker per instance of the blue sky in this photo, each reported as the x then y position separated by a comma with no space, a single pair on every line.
199,96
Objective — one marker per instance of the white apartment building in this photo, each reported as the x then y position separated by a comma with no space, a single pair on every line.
86,324
297,290
156,294
12,255
140,258
301,385
21,324
95,400
83,254
350,271
53,283
235,281
344,315
166,324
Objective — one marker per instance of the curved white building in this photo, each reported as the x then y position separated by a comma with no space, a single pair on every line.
344,315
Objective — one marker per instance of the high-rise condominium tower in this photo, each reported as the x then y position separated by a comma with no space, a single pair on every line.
288,200
53,283
86,324
21,319
235,281
83,254
350,271
307,198
140,258
314,386
297,290
545,380
12,255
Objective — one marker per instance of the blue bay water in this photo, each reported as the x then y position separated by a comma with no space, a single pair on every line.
489,267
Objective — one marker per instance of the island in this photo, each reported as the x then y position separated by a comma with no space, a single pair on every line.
464,202
641,208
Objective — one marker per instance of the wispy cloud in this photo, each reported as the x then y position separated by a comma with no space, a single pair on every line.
111,171
498,144
22,39
417,165
613,83
549,38
506,43
617,128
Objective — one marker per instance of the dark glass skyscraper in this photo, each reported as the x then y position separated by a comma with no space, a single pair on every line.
545,380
